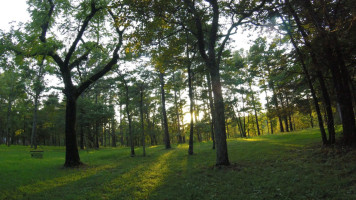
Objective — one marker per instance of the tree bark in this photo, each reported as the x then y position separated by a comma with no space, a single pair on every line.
275,101
121,128
164,113
268,109
142,123
191,132
254,108
211,104
177,112
284,115
329,113
279,117
310,113
219,126
8,121
34,122
129,119
113,135
96,125
290,122
81,141
72,155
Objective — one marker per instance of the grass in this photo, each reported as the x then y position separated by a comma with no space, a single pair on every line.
283,166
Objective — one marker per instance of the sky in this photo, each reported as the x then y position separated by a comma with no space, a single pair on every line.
12,10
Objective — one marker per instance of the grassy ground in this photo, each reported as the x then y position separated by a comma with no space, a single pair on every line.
284,166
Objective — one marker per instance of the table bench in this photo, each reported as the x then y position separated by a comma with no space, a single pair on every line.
36,154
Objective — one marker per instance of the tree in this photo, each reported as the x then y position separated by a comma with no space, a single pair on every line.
45,15
191,110
38,88
128,112
164,112
141,87
12,89
328,30
309,81
211,52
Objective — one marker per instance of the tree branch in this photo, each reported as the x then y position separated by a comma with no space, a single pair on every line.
82,87
85,24
234,25
199,26
79,60
45,25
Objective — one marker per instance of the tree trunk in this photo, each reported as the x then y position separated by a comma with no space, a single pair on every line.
289,114
104,135
280,124
164,113
310,113
113,135
211,104
239,125
343,92
72,155
34,123
267,125
38,90
96,126
191,132
244,117
258,127
219,126
268,110
275,100
254,108
96,134
81,142
329,113
284,115
142,123
177,111
8,121
121,128
196,121
290,122
227,128
129,120
149,127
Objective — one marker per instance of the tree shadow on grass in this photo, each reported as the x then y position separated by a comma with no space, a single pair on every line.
136,183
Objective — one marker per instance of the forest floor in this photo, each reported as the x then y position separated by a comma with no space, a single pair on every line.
282,166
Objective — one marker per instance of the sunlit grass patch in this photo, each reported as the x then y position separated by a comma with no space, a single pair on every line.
253,139
139,181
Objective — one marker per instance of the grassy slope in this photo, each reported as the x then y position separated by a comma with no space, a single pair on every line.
289,166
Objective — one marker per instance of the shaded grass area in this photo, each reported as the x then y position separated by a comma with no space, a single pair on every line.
283,166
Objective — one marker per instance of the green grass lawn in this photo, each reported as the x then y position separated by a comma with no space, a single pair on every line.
283,166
